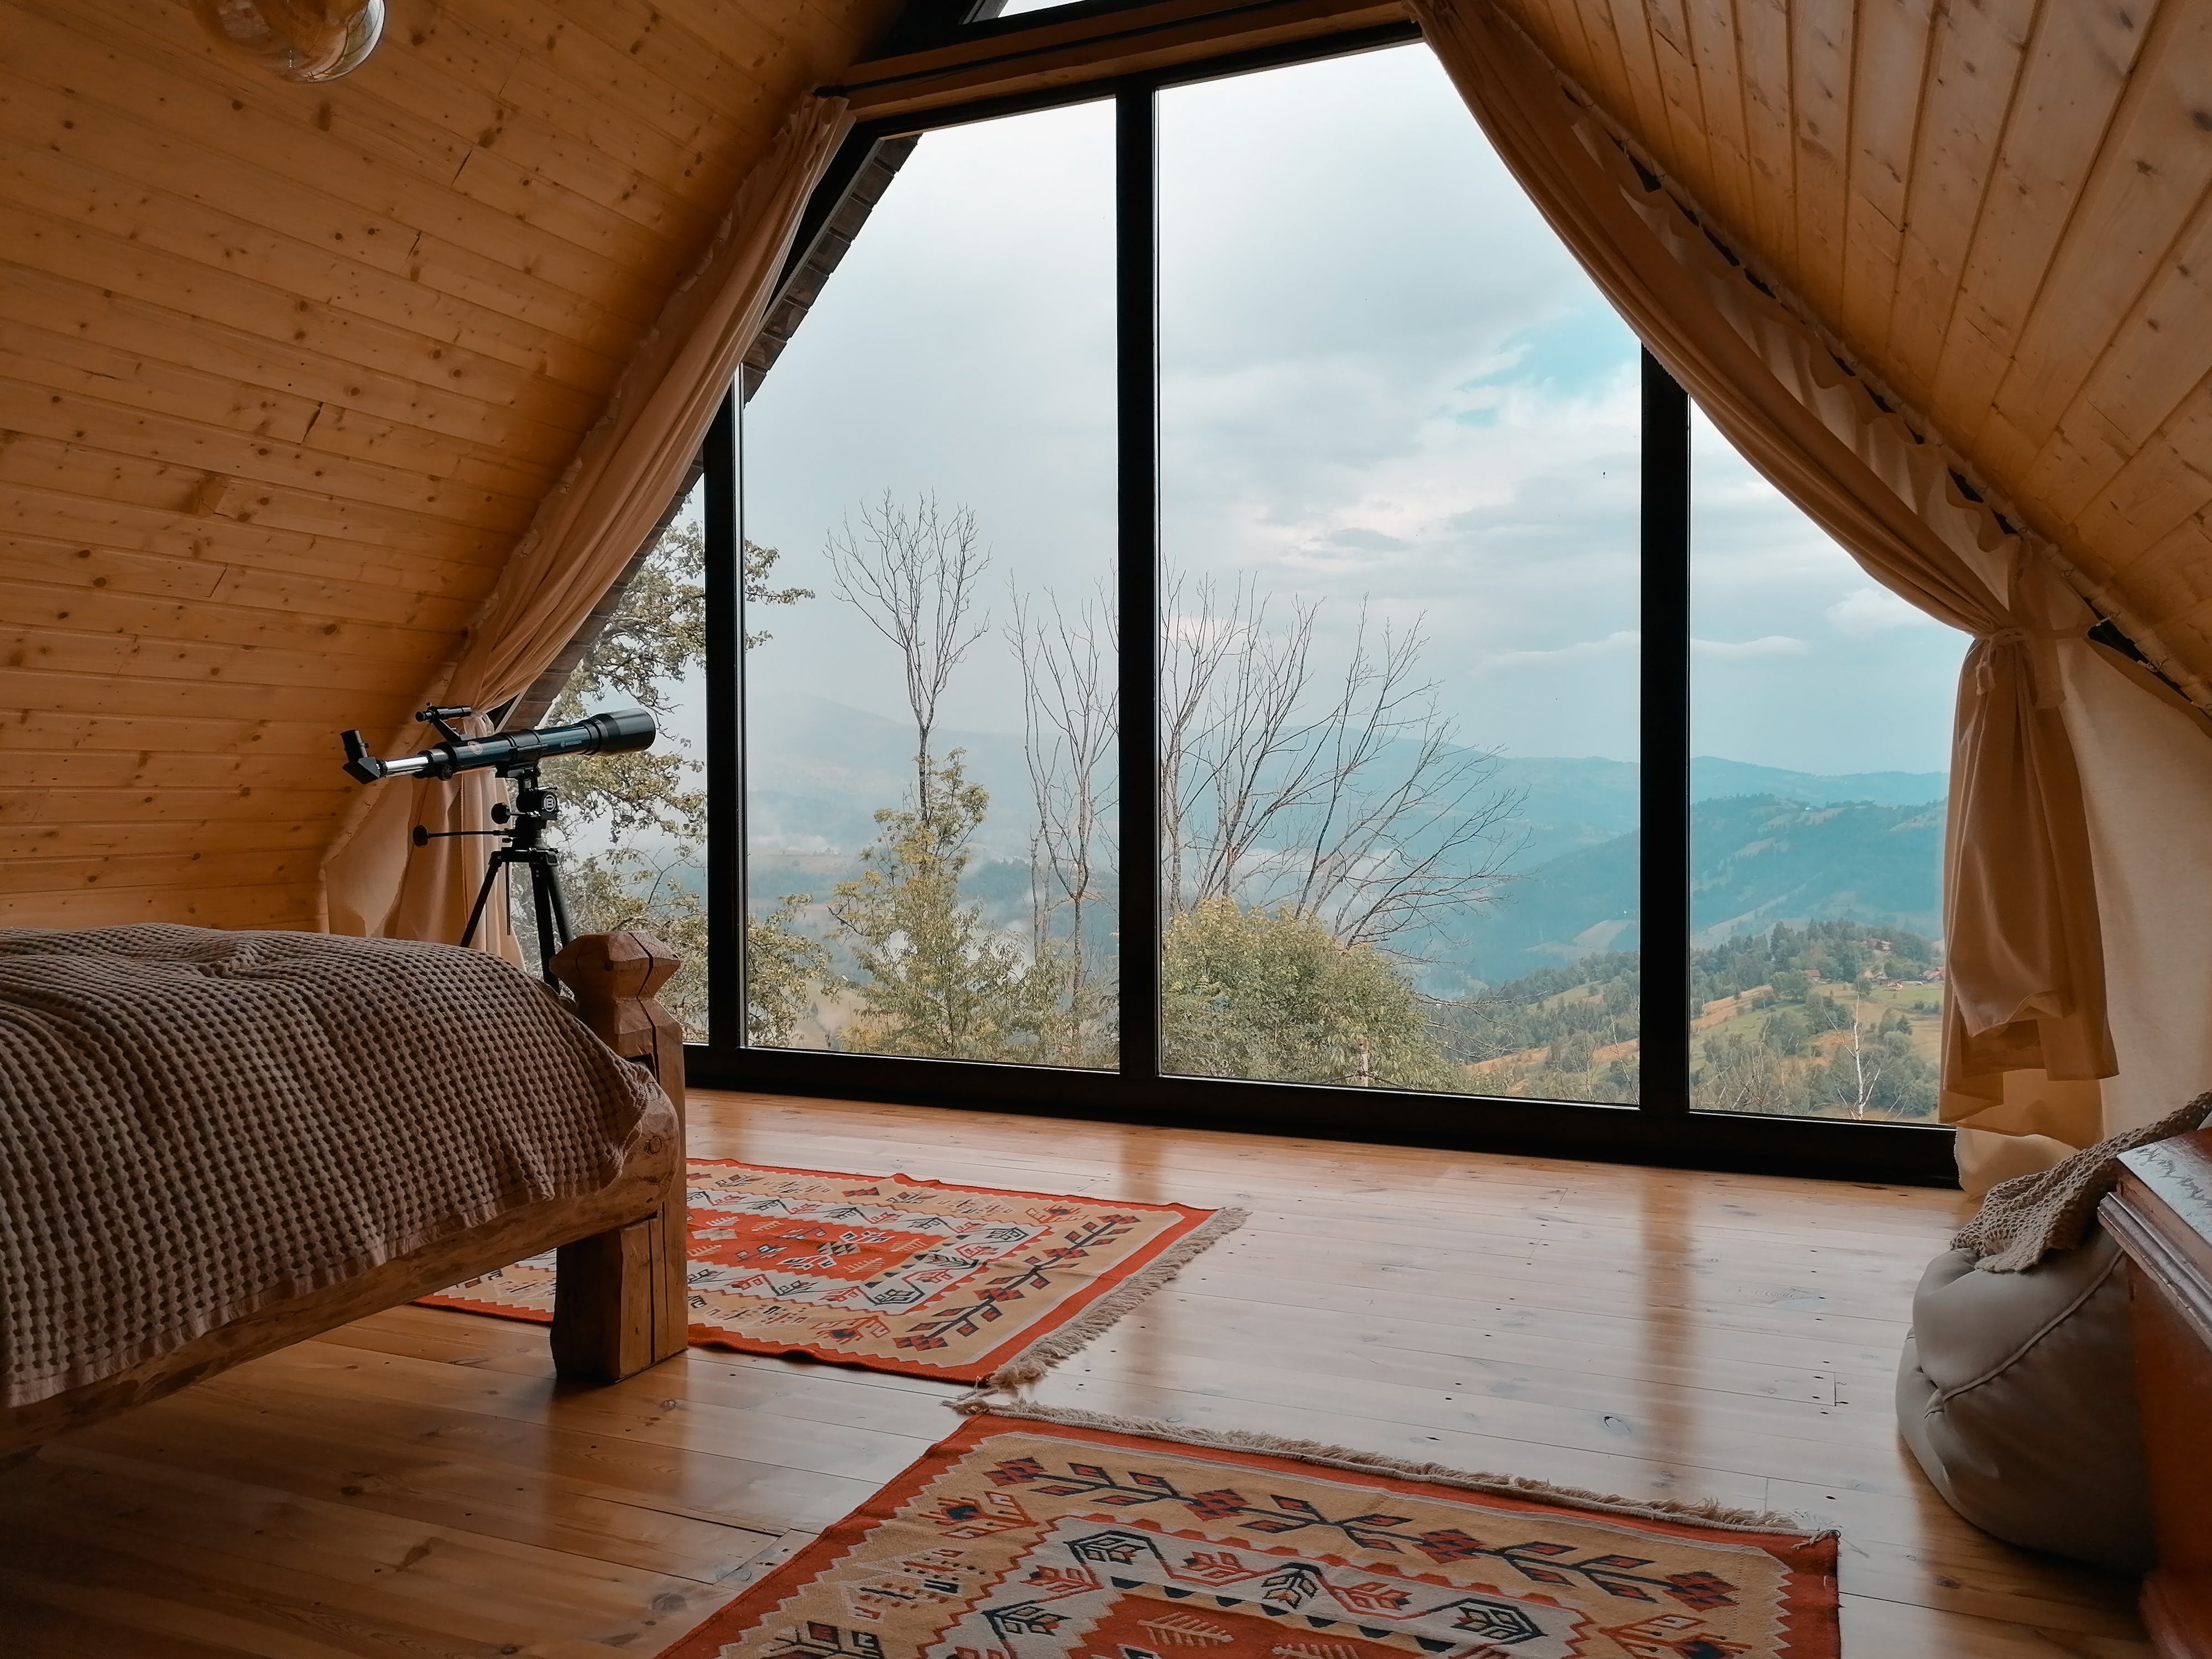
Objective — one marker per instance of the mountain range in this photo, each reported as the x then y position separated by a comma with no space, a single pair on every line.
1767,844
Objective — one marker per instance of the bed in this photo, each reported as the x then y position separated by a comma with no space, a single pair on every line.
214,1145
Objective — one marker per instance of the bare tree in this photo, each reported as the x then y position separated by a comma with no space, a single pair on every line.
1071,724
913,572
1346,798
1866,1068
1204,632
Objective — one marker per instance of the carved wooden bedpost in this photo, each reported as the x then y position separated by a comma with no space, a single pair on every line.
621,1302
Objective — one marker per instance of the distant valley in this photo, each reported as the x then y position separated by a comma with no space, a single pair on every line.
1767,845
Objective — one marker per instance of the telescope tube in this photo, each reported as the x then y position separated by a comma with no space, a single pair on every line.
616,733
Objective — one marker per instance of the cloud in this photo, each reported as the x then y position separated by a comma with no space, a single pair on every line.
1620,639
1767,645
1388,391
1865,610
1368,541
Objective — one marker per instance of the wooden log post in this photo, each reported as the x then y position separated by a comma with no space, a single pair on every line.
621,1303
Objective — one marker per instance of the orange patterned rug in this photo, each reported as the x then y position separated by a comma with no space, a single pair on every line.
969,1284
1027,1538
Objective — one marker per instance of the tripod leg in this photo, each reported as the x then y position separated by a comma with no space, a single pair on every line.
544,897
483,892
552,873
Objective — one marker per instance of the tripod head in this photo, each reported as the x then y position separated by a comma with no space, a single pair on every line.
535,806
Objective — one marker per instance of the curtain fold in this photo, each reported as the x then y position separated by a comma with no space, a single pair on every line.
2025,1028
583,535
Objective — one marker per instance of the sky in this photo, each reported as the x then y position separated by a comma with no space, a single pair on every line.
1386,387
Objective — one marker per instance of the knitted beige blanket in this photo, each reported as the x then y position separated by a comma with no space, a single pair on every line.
2027,1217
194,1124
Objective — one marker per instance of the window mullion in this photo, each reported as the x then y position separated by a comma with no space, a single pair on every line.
724,534
1664,902
1137,482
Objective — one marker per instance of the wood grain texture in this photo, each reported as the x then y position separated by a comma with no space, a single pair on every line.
285,370
622,1300
2002,210
1643,1332
2161,1215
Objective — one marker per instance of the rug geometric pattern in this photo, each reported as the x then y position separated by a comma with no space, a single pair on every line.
1022,1539
891,1272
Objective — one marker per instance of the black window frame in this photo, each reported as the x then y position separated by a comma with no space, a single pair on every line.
1662,1128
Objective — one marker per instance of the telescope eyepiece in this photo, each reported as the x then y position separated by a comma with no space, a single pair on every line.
359,764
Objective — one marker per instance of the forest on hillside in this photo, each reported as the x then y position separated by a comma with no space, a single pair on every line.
1823,1018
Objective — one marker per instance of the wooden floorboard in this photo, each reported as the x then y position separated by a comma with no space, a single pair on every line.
418,1484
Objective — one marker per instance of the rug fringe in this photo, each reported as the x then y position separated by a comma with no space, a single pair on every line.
1707,1513
1055,1345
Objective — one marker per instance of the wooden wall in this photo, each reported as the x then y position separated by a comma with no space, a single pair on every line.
283,372
2003,207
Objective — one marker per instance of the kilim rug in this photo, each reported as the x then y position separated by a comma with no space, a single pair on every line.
1042,1537
969,1284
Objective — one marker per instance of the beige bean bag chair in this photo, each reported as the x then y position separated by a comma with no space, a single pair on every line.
2016,1388
2017,1394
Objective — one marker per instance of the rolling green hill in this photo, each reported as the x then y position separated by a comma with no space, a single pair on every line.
1755,860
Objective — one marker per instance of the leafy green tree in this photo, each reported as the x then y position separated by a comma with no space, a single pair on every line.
1273,994
1787,1032
783,966
1786,1059
649,807
654,637
625,888
1829,1014
1737,1074
1569,1013
935,979
1575,1051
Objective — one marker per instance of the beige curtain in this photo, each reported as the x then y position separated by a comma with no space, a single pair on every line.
585,533
2025,1033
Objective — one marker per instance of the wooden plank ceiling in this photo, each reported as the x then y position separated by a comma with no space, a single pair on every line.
284,371
1999,207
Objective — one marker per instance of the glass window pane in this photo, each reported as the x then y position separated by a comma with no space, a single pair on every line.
1821,722
632,829
1400,462
929,508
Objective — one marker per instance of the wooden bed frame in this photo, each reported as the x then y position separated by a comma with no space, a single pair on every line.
620,1305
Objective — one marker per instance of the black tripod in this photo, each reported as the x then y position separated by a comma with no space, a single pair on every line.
535,806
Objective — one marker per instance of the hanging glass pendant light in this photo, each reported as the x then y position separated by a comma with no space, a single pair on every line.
298,39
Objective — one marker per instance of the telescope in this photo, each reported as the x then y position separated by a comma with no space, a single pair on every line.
618,733
514,755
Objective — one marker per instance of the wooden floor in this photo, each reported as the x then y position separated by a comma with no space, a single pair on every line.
417,1485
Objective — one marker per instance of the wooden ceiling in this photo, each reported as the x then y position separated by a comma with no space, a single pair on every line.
284,371
1999,206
